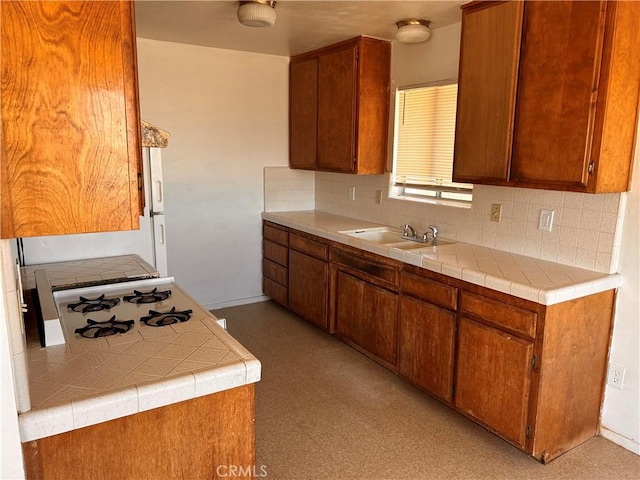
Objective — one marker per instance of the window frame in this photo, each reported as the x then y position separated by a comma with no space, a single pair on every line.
430,193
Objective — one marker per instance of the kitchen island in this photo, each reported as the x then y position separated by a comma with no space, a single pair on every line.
169,402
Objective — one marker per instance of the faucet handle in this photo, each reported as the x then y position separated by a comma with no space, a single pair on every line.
434,234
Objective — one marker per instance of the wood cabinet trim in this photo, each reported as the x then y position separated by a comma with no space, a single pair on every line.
275,234
310,245
275,252
429,290
504,316
275,272
376,271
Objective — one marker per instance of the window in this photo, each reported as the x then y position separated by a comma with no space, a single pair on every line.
424,134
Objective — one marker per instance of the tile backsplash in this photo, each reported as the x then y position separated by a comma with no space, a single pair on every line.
286,189
586,228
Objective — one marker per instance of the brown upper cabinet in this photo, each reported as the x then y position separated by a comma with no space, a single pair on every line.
339,107
548,94
71,155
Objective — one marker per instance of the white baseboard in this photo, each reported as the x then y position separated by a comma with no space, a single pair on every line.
235,303
618,439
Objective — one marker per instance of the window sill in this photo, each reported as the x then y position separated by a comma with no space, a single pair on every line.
432,201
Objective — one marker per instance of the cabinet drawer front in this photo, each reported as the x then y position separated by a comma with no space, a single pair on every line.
499,314
275,234
277,292
310,247
430,290
275,272
277,253
369,267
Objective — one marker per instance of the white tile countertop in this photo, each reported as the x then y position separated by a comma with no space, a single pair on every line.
93,271
89,381
529,278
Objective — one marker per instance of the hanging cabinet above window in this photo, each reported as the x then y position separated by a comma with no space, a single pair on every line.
339,107
548,94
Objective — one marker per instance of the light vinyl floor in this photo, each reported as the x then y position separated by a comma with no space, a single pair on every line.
325,411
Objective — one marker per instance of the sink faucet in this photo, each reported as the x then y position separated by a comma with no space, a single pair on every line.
408,231
434,234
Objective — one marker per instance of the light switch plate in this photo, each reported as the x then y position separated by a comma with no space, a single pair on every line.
352,193
546,220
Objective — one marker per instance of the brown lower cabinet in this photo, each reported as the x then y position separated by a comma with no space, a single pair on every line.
530,373
309,279
275,262
201,438
425,346
366,316
493,378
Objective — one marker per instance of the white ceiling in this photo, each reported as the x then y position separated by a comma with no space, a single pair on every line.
301,25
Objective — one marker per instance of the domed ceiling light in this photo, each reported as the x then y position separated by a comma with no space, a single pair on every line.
257,13
413,30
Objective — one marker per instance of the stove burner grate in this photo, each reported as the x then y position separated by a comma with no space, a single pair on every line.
95,329
162,319
147,297
86,305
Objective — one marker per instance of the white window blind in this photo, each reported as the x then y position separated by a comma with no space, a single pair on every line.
425,131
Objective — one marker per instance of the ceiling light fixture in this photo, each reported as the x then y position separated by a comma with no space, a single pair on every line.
413,30
257,13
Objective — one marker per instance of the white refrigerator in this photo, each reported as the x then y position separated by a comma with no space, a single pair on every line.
149,242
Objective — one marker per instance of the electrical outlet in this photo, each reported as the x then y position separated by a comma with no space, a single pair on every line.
352,193
615,375
546,220
378,197
496,212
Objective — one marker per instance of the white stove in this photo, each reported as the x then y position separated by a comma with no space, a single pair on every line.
123,312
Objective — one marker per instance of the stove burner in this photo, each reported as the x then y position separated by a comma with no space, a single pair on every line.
147,297
162,319
95,329
86,305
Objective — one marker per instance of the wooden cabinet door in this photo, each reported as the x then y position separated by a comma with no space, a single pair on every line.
367,316
303,115
493,378
489,56
70,122
337,109
426,345
309,288
557,92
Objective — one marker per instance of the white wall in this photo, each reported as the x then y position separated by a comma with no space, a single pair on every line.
621,410
11,466
227,114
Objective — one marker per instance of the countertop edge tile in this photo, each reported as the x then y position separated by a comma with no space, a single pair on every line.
224,377
171,390
45,422
105,406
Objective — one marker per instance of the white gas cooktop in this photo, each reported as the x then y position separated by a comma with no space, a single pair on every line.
97,311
